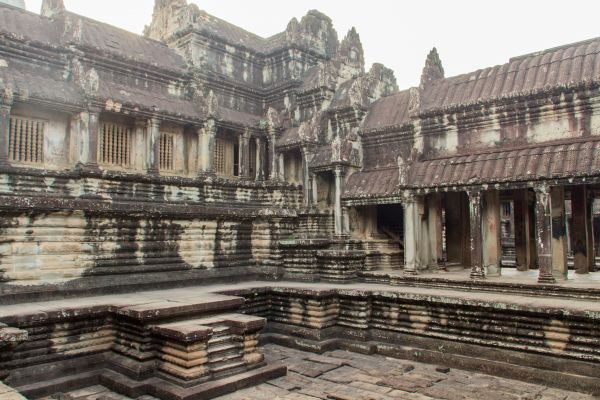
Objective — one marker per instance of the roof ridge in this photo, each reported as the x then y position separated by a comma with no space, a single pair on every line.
553,49
137,35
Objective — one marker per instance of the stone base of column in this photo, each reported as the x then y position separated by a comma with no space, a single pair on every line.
411,272
543,278
477,274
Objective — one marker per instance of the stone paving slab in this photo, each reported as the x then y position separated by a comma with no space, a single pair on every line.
342,375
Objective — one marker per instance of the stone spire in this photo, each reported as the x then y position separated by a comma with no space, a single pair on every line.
433,69
164,18
51,8
351,53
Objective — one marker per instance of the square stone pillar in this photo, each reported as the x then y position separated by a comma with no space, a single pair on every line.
206,146
522,230
152,148
543,231
6,100
314,190
280,166
305,178
273,173
559,233
477,271
491,235
435,230
139,142
581,228
260,172
411,235
244,154
337,212
89,137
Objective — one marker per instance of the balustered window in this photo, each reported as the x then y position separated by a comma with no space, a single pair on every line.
26,140
165,152
115,144
225,157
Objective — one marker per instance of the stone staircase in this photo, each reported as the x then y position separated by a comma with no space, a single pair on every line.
170,348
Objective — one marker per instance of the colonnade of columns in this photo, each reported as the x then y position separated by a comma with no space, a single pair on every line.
540,235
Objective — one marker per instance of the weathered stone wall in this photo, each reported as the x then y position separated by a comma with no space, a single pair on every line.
474,334
64,227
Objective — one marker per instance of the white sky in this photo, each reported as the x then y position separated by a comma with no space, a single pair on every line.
469,34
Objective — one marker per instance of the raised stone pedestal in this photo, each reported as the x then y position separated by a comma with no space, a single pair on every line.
339,265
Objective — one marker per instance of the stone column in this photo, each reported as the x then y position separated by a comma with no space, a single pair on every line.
206,145
152,148
522,229
435,228
139,140
259,164
543,233
337,212
314,190
90,132
411,227
491,235
272,154
244,154
281,166
6,101
581,230
559,233
477,271
305,178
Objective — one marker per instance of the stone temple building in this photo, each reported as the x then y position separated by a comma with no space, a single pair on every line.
180,209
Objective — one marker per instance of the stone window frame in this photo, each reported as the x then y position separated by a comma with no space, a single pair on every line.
32,151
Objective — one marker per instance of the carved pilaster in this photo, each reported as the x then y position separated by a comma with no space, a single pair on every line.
6,101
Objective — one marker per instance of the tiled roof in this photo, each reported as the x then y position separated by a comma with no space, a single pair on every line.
126,44
18,22
236,35
558,160
574,63
290,137
388,111
324,155
33,81
238,117
375,183
153,100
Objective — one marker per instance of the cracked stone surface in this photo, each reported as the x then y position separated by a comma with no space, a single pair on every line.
342,375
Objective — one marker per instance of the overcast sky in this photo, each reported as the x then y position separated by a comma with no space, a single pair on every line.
468,34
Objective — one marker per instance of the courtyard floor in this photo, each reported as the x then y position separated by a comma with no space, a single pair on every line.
342,375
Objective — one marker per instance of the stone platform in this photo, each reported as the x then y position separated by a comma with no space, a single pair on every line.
177,345
199,335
